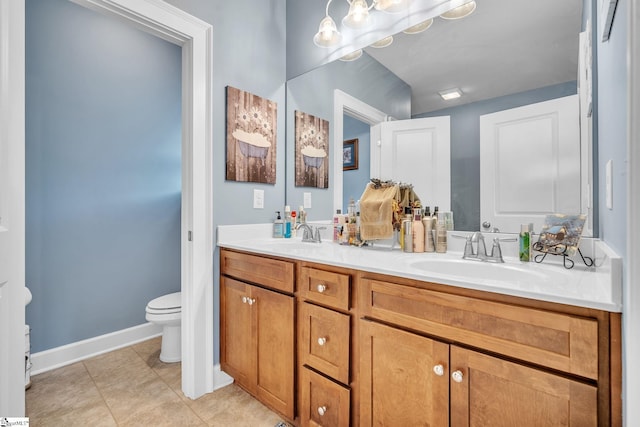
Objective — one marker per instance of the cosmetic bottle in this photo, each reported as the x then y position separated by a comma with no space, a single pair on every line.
278,226
525,242
441,235
287,222
294,223
407,218
302,214
427,222
336,226
407,232
417,233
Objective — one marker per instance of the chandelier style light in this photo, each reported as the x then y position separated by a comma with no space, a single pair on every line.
358,17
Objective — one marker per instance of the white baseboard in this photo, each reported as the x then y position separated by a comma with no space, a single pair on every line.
220,378
47,360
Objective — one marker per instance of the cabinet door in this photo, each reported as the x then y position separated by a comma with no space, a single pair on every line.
324,402
404,378
236,346
487,391
274,333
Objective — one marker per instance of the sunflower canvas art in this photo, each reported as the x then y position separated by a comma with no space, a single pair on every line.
312,151
251,137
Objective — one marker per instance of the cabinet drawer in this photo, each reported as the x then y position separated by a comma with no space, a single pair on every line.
324,403
556,340
325,287
273,273
325,341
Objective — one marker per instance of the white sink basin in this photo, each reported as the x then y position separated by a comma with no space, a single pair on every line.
497,273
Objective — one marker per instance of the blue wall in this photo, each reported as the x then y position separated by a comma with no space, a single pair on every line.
248,53
354,181
465,146
103,130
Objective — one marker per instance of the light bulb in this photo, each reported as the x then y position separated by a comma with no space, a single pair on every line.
358,16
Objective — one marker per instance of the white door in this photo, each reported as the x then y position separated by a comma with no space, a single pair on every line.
417,152
529,164
12,293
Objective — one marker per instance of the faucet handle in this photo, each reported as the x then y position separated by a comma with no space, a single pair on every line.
496,250
316,236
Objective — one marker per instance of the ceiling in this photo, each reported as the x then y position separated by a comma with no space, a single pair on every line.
504,47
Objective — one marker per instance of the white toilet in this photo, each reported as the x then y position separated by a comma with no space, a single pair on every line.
166,311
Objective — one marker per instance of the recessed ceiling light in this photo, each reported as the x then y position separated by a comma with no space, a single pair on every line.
450,94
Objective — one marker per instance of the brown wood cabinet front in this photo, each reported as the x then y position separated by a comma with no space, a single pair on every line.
324,402
257,343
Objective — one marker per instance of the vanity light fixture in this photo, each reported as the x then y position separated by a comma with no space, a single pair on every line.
327,35
352,56
358,16
382,43
418,28
450,94
460,11
391,6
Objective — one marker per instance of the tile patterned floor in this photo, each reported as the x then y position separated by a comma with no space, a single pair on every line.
132,387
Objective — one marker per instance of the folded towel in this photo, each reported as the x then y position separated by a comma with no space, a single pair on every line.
376,211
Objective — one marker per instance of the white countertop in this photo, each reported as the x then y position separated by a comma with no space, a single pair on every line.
598,287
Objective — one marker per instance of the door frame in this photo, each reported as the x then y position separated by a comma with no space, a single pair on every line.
12,206
195,37
343,103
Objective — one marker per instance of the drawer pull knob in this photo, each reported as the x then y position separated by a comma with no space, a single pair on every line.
438,370
322,341
322,410
251,301
457,376
321,288
245,300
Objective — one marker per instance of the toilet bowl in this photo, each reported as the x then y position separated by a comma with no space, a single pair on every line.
166,311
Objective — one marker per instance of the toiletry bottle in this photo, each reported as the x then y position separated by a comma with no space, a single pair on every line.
294,223
407,232
417,234
407,218
287,222
441,235
336,223
278,226
525,243
302,214
351,222
427,222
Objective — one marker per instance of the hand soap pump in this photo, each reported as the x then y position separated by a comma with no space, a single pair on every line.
287,222
278,226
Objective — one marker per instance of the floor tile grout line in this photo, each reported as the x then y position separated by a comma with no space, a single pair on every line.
115,420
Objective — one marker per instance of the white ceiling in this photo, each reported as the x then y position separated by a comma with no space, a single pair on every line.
504,47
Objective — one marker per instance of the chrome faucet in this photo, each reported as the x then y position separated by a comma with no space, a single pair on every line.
476,249
310,234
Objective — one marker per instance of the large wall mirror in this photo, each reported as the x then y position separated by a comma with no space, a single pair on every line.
504,56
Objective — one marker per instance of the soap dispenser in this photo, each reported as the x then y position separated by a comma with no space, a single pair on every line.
287,222
278,226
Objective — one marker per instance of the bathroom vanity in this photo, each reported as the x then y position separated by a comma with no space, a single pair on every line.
354,336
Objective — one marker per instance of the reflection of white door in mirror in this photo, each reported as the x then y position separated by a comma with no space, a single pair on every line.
416,152
530,164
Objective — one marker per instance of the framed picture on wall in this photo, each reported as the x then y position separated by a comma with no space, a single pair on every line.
350,154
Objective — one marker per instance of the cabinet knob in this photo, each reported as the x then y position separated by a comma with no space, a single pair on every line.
251,301
457,376
322,410
245,300
438,370
321,288
322,341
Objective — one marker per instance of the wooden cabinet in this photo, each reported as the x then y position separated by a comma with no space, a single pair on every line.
408,379
257,345
443,359
324,347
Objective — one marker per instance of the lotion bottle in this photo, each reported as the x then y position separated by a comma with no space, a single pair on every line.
525,242
417,235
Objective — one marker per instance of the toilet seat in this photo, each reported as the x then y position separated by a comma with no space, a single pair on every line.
166,304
